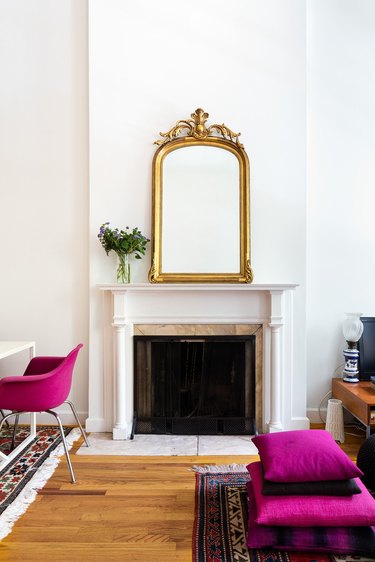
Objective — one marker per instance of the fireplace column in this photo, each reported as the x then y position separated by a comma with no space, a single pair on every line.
277,321
119,383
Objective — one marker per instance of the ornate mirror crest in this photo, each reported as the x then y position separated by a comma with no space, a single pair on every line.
200,205
196,127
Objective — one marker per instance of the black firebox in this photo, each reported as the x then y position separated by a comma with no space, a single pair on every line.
195,385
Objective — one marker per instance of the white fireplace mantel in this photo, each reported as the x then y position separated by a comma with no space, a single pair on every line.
145,303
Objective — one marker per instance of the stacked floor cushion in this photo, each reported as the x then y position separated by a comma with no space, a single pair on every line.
306,494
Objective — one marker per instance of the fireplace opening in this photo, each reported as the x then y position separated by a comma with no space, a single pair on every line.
194,385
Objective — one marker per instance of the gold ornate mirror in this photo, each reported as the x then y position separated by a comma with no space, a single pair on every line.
200,204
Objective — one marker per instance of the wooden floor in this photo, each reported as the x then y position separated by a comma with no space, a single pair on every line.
122,508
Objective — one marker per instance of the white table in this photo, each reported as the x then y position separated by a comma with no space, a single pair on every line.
11,347
8,348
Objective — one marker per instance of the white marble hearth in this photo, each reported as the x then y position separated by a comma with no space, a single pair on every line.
282,394
170,445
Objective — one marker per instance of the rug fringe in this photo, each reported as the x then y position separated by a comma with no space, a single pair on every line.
29,493
217,468
351,558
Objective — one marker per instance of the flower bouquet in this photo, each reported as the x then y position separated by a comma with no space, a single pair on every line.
123,243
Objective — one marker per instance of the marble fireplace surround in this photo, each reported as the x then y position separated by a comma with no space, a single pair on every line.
255,330
150,309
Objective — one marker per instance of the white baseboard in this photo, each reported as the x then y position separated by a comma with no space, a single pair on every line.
300,423
97,425
313,415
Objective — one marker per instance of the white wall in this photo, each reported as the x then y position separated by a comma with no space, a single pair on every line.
44,181
153,63
341,180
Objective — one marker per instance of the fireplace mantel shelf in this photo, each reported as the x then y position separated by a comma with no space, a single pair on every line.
135,287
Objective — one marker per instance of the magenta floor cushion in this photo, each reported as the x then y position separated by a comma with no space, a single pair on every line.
340,540
306,511
303,455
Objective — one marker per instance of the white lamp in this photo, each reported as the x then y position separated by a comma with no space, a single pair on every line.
352,329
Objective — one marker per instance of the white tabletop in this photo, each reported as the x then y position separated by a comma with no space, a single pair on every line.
10,347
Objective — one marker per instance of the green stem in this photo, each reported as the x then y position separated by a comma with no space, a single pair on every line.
123,268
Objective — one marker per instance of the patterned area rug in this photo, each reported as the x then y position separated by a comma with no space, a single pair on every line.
219,533
29,471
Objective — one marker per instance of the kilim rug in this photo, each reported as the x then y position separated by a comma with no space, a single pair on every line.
219,532
29,471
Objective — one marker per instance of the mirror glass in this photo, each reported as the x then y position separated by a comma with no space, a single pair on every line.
201,211
200,205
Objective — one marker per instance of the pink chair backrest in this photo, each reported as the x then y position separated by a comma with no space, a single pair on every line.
41,365
60,379
41,389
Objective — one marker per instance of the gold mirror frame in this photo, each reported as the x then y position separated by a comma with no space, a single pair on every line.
187,133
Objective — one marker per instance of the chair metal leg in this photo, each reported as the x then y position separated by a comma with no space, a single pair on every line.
65,445
5,420
78,421
3,414
16,420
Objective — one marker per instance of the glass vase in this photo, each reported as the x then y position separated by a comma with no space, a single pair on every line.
123,268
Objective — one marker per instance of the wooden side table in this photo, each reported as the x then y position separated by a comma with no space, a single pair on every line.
359,399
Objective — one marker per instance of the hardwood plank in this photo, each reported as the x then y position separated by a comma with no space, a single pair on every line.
56,491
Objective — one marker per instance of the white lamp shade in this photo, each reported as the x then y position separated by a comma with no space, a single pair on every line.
352,327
